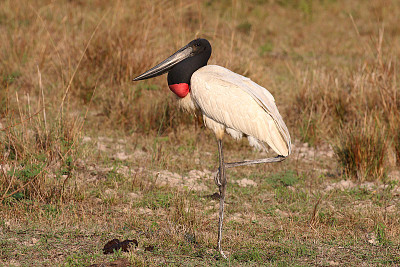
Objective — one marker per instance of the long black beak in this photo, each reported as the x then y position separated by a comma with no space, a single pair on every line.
166,65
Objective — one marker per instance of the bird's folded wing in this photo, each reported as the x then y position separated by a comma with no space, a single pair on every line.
238,103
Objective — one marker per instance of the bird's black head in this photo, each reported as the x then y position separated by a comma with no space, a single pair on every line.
200,47
181,65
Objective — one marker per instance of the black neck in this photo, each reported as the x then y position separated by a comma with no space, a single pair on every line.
182,72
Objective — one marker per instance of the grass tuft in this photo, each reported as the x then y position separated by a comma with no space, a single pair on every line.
362,151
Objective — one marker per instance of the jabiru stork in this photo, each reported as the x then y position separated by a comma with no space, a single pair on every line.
229,102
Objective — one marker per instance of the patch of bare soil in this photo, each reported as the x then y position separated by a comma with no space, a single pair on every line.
245,182
194,180
305,152
122,262
343,185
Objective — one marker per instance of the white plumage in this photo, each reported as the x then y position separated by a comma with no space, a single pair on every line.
234,103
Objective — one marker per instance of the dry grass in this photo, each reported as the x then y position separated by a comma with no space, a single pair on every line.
82,147
363,152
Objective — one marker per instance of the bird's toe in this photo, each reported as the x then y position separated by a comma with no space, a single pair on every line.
217,178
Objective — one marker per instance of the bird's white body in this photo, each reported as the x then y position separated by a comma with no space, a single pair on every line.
233,103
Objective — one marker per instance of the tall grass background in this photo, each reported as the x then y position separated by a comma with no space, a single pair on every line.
66,69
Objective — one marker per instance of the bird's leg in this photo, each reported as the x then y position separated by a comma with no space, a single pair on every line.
222,187
256,161
217,176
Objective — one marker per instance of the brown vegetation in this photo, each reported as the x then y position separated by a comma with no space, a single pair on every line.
65,83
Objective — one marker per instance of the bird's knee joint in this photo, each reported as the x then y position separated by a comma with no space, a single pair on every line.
281,158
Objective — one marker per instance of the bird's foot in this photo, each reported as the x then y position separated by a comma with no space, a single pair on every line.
222,254
217,178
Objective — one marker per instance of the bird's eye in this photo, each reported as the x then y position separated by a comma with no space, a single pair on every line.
197,44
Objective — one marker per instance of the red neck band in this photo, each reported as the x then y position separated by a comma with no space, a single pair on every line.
180,89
